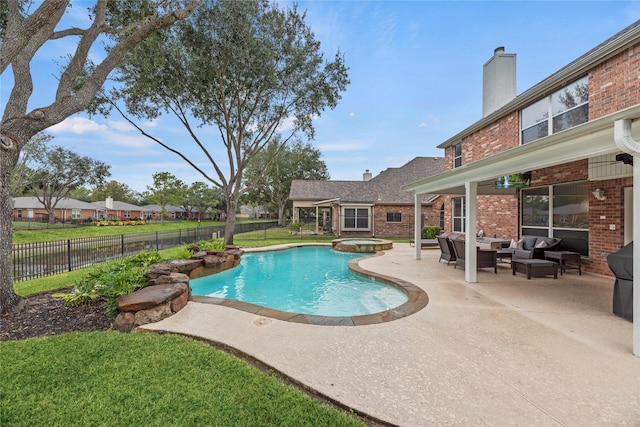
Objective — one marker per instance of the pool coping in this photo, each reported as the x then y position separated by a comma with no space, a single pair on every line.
417,297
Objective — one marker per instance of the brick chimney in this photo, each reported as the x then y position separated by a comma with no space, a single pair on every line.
498,81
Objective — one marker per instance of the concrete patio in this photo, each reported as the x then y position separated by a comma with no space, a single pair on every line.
505,351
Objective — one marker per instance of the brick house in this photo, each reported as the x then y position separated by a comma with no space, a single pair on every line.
575,137
115,210
31,209
375,206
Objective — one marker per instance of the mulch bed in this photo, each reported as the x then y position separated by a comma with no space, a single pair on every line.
41,315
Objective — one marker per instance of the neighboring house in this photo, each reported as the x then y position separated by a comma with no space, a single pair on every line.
575,134
173,212
375,206
30,209
113,209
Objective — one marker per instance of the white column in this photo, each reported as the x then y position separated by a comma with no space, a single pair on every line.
636,255
471,261
417,231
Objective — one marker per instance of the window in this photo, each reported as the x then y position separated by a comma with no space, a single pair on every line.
458,215
394,216
567,108
29,213
457,155
356,218
561,211
19,213
442,217
76,213
127,214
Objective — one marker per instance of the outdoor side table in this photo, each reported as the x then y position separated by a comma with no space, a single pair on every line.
534,267
562,257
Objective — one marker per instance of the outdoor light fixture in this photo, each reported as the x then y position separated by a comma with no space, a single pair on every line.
598,193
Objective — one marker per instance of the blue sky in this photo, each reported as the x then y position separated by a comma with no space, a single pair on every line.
415,71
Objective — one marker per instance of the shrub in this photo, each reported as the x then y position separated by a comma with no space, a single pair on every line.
111,281
430,232
295,225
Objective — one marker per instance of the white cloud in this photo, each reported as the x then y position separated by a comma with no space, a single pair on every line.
352,114
77,125
121,126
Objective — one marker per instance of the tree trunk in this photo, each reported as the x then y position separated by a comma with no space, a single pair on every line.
230,224
8,297
281,214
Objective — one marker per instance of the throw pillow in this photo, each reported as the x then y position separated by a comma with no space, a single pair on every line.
542,244
516,244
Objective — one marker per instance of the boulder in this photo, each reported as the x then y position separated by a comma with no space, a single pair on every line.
151,296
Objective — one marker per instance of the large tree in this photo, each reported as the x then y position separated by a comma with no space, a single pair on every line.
249,69
26,33
27,167
116,190
201,198
166,190
61,171
273,170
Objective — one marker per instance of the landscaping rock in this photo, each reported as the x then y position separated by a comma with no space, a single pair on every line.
153,315
150,296
124,321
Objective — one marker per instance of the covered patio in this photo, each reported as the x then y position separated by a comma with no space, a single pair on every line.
606,135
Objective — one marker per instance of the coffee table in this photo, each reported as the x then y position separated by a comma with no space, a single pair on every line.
534,267
562,257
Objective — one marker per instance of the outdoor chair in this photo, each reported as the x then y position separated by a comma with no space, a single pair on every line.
486,258
447,252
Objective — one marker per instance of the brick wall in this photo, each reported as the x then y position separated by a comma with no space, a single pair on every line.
615,84
603,240
431,216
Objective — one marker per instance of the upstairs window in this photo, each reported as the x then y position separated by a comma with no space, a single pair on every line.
567,108
457,155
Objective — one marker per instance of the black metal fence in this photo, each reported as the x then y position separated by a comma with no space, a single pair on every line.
39,259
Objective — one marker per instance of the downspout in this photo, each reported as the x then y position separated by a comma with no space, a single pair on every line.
626,143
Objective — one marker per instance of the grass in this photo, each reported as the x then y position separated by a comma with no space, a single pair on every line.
111,378
75,232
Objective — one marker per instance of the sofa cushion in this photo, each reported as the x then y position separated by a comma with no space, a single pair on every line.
529,242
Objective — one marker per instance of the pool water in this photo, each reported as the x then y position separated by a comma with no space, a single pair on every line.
307,280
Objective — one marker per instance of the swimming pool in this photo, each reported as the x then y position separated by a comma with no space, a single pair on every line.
307,280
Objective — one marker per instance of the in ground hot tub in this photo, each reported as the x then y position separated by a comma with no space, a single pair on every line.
361,245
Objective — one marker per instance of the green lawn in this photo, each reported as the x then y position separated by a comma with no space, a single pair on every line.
69,232
143,379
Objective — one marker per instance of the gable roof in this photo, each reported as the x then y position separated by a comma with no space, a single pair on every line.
63,203
117,206
385,188
158,208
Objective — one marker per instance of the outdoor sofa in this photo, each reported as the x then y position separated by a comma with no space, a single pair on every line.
531,247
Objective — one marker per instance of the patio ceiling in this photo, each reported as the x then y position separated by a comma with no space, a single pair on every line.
591,139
